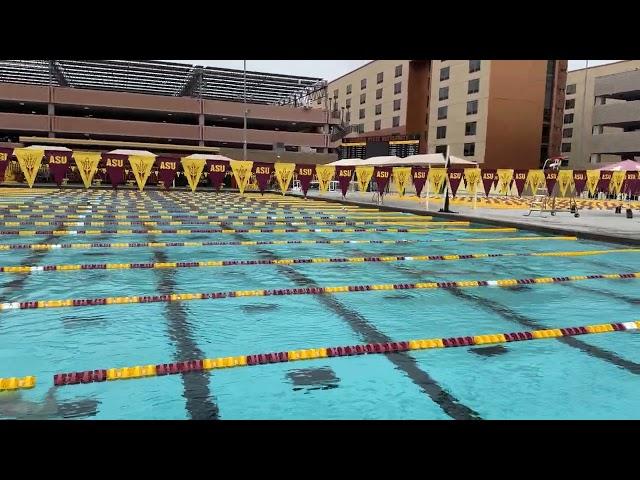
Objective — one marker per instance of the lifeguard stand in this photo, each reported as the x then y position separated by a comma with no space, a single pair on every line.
544,201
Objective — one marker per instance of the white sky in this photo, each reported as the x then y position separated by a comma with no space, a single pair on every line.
326,69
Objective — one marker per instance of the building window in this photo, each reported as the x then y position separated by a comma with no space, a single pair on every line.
474,86
363,98
566,147
379,94
474,66
347,117
396,121
571,89
347,103
397,88
567,133
320,101
443,93
379,109
398,71
363,84
396,105
444,73
380,77
377,124
441,149
361,113
472,107
442,112
361,128
335,93
568,118
569,104
470,128
348,89
441,132
469,149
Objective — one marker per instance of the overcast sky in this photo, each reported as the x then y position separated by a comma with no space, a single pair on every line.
326,69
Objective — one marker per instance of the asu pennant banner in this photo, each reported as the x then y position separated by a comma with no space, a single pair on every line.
632,182
5,155
472,179
454,176
520,179
505,177
263,172
401,176
382,176
193,170
363,175
87,163
304,173
419,176
216,171
141,167
605,180
324,173
284,174
436,178
114,164
167,170
593,177
579,180
535,179
550,178
488,177
564,181
344,175
617,179
29,160
241,170
59,162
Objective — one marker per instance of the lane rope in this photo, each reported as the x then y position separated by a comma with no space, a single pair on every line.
429,229
84,246
142,371
178,297
17,383
289,261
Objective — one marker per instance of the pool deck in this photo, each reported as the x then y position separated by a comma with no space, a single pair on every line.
601,225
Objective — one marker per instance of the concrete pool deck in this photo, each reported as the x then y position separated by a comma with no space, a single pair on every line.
601,225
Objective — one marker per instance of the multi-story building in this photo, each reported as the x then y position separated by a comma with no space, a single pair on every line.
602,114
499,113
163,107
382,98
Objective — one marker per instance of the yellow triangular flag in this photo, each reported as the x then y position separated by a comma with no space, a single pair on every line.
141,168
364,174
325,174
29,160
284,174
617,179
87,163
193,170
593,177
436,178
242,173
401,176
535,179
505,175
472,179
565,177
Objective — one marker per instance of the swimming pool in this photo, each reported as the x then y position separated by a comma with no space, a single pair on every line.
586,376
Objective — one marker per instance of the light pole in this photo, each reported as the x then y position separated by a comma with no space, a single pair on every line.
244,130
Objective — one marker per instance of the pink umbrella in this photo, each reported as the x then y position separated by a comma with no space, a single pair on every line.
623,165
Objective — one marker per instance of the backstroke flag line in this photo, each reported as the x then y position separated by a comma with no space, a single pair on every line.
29,160
193,170
141,168
284,174
241,172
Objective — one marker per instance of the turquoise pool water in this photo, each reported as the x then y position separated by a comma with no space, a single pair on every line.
585,377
